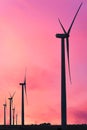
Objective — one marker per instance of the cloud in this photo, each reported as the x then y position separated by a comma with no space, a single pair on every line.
49,115
78,114
41,78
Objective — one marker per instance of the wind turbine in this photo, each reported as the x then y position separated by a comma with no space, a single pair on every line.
22,107
5,105
64,36
11,101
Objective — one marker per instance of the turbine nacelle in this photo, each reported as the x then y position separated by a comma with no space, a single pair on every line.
10,98
21,84
4,105
66,35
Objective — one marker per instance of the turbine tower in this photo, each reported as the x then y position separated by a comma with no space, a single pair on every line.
11,101
63,37
5,105
22,99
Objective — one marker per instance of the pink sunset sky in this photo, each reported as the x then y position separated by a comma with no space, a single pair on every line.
27,40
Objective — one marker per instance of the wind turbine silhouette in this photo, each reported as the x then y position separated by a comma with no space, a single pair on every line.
5,105
11,101
64,36
22,107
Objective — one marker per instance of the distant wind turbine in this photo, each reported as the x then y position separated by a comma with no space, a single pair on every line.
11,101
22,107
64,36
5,105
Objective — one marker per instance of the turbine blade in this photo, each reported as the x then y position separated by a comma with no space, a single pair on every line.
26,98
10,94
67,46
13,94
25,86
74,18
25,80
62,26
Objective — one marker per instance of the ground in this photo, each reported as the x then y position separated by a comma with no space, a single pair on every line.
42,127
